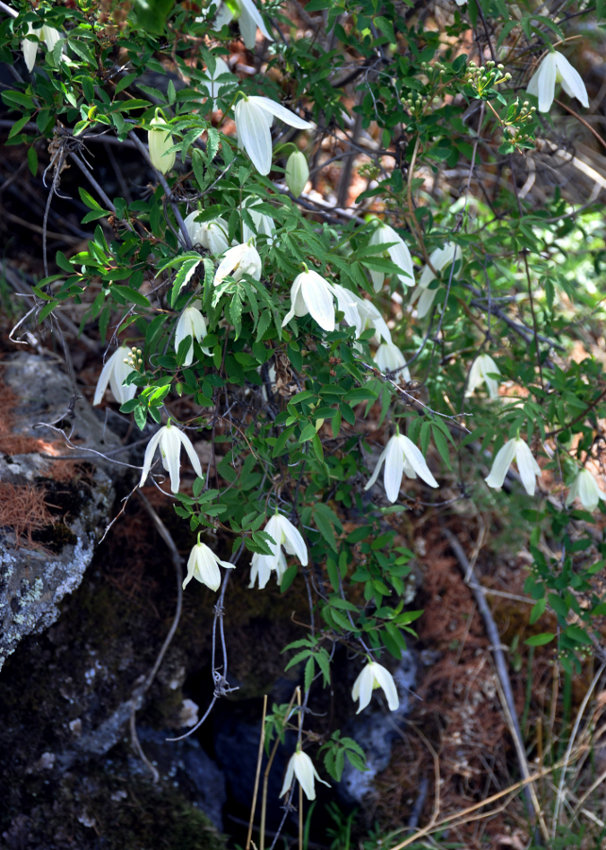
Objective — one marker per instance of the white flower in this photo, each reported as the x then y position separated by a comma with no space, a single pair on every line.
213,86
398,254
528,468
115,372
302,768
170,439
311,293
203,565
263,224
360,313
254,116
389,358
555,68
192,324
285,535
249,18
439,258
159,140
375,676
401,457
483,367
211,235
585,488
49,35
240,260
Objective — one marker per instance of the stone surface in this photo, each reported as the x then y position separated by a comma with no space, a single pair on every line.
52,508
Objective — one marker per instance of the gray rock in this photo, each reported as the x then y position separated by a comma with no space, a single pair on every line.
65,508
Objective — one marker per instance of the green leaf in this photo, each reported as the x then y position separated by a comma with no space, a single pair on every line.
540,639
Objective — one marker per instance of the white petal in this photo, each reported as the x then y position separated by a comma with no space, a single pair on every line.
571,80
253,126
170,452
255,19
261,568
542,82
527,466
191,453
415,458
292,540
317,295
30,49
500,465
362,687
377,469
386,682
290,770
281,112
149,454
394,468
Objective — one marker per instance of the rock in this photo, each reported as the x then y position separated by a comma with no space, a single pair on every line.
52,507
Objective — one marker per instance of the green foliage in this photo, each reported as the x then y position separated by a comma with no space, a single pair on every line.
295,408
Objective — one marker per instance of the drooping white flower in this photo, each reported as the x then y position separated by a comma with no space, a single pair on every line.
192,324
398,253
214,87
586,489
401,457
301,767
390,359
211,235
159,141
170,439
311,293
528,468
375,676
555,68
481,372
439,258
263,224
240,260
286,535
248,17
115,372
370,317
203,565
254,116
49,35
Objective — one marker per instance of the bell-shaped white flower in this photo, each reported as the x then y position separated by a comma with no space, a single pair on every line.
401,457
213,86
191,324
254,116
203,565
115,372
263,224
49,35
211,235
170,439
159,142
390,360
398,253
482,371
375,676
425,296
555,68
285,535
360,313
301,767
528,468
240,260
248,17
586,489
311,293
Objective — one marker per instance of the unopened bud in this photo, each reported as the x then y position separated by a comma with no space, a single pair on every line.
159,140
297,172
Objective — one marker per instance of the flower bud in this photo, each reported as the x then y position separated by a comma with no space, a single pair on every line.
297,172
159,140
